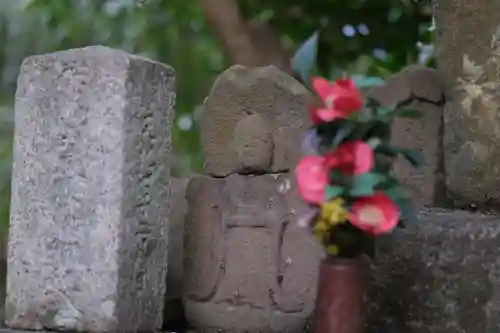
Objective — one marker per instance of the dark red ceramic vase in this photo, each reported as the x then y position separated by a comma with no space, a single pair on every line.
341,293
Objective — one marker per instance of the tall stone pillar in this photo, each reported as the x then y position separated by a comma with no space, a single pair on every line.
90,197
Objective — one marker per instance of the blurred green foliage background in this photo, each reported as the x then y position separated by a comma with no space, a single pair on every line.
369,37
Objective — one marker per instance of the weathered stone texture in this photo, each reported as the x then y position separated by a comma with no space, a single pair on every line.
263,108
173,316
90,198
442,276
469,62
419,88
248,266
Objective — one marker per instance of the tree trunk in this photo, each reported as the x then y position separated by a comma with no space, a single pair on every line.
250,45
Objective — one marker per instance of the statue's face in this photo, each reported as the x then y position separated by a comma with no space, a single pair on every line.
253,145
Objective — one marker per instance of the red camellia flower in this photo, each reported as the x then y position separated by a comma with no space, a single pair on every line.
340,98
312,178
376,215
352,158
313,114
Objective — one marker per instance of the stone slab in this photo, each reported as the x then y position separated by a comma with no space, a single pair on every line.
90,200
468,59
419,88
9,330
442,276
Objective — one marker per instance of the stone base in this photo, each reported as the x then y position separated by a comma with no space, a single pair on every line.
210,317
9,330
442,276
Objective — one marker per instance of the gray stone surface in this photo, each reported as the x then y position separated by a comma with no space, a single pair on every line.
258,112
90,199
176,233
443,276
419,88
8,330
173,316
248,266
468,59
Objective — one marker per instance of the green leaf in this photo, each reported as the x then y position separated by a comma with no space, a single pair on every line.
383,163
343,132
363,81
360,189
388,183
396,192
408,113
387,150
378,129
333,192
364,185
372,103
305,58
374,142
338,178
382,111
408,215
413,156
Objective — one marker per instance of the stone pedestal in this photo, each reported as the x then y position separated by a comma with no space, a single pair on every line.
90,200
441,276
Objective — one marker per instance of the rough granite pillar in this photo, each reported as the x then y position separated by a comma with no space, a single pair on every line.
468,56
90,199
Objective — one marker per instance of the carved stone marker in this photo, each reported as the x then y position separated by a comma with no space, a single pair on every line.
468,58
248,266
419,88
90,200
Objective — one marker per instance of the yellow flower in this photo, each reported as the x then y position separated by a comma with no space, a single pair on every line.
333,212
332,250
321,229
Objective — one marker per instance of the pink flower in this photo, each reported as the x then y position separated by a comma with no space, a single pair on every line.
312,178
376,215
340,98
352,158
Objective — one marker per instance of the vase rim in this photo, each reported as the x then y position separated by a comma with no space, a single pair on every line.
343,261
